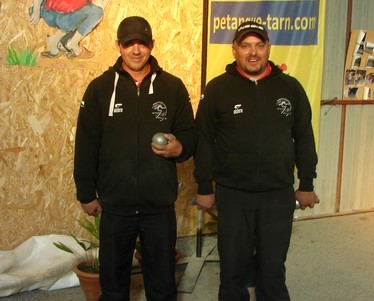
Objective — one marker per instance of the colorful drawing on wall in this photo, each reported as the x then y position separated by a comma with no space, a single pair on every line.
73,21
26,57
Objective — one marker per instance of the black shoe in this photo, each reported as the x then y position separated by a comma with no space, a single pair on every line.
50,54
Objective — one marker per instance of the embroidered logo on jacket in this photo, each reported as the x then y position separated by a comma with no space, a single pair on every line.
284,106
238,109
118,108
159,110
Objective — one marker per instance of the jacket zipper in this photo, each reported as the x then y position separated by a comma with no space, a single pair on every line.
138,143
259,114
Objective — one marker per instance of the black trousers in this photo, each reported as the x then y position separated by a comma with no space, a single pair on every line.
117,241
254,222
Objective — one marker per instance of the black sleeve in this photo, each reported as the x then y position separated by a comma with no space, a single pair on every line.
87,145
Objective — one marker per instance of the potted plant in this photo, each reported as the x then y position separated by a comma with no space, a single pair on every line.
87,270
212,224
138,252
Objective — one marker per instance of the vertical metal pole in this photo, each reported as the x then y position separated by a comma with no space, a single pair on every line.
199,233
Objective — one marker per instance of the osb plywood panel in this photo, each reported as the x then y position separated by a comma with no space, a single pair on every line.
37,125
38,108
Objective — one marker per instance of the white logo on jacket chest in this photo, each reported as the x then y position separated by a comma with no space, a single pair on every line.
284,106
159,110
118,108
238,109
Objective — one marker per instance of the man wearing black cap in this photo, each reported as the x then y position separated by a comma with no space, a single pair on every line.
254,128
122,175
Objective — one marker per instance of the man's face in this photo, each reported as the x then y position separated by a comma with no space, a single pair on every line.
135,55
252,55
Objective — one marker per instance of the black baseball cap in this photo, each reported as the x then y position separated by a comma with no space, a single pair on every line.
134,28
250,27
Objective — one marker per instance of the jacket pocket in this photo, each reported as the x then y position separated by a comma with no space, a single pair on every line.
117,182
158,182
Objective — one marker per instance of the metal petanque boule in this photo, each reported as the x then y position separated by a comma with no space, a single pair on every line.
159,139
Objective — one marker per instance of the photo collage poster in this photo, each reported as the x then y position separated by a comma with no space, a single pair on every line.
359,67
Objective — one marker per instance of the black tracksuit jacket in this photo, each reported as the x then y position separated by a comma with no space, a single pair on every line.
116,122
253,134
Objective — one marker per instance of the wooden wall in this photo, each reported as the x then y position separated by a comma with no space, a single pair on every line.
39,106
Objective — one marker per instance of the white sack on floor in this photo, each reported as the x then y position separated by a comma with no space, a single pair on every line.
38,264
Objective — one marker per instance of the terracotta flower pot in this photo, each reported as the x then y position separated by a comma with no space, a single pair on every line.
178,256
90,283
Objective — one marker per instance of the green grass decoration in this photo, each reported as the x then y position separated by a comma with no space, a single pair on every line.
25,58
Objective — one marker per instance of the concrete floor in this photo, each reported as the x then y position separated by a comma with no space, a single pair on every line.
330,259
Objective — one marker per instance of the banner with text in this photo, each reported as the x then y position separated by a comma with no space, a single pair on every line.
296,34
